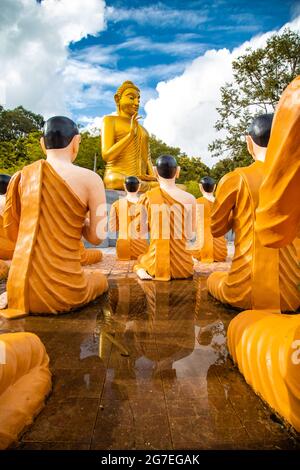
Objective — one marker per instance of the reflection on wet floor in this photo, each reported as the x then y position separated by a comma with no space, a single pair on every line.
147,367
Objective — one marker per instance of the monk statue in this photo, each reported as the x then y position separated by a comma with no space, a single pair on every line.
6,246
170,214
265,345
125,143
259,277
46,215
213,249
25,382
89,255
122,220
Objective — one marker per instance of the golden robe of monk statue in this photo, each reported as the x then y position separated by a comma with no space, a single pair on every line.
46,215
266,345
6,246
213,249
122,219
125,143
170,214
25,382
259,277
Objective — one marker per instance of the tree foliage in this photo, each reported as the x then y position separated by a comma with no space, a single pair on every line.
18,122
259,78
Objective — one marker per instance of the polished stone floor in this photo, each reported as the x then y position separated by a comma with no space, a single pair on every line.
147,367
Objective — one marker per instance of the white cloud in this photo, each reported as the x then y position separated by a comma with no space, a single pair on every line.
34,39
184,113
158,15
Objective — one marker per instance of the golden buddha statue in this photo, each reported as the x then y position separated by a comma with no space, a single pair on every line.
125,143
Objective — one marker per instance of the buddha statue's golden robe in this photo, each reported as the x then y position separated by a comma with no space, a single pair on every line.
266,345
122,220
45,217
133,160
89,255
214,248
25,381
259,277
168,256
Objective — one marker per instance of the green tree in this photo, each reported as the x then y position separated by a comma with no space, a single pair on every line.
18,122
90,148
158,147
259,78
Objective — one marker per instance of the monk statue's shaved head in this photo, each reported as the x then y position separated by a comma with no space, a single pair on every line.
132,184
4,180
260,129
59,132
166,166
208,184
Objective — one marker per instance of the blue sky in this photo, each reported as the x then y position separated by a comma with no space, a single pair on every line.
160,38
69,57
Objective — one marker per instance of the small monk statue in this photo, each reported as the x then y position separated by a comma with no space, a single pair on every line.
25,382
259,277
89,255
213,249
265,345
46,215
6,246
125,143
122,220
170,214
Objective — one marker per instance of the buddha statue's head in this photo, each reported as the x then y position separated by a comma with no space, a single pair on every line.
259,135
166,167
132,184
127,99
61,135
207,184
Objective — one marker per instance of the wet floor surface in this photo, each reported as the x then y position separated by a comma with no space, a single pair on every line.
147,367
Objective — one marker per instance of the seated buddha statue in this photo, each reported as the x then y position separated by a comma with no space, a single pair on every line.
125,143
213,249
25,382
46,215
122,220
265,345
6,246
170,214
259,277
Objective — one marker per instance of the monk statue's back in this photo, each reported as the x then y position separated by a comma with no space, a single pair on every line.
125,143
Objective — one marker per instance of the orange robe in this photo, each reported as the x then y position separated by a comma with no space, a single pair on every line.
45,217
6,246
89,255
25,381
266,345
122,220
168,256
214,249
259,277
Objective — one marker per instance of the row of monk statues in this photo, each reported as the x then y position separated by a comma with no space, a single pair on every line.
51,205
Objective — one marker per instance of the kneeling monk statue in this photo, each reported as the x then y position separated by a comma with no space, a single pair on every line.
170,214
122,220
46,215
213,249
260,277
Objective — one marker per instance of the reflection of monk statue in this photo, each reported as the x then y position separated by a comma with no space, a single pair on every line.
121,220
265,345
125,143
46,215
259,277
